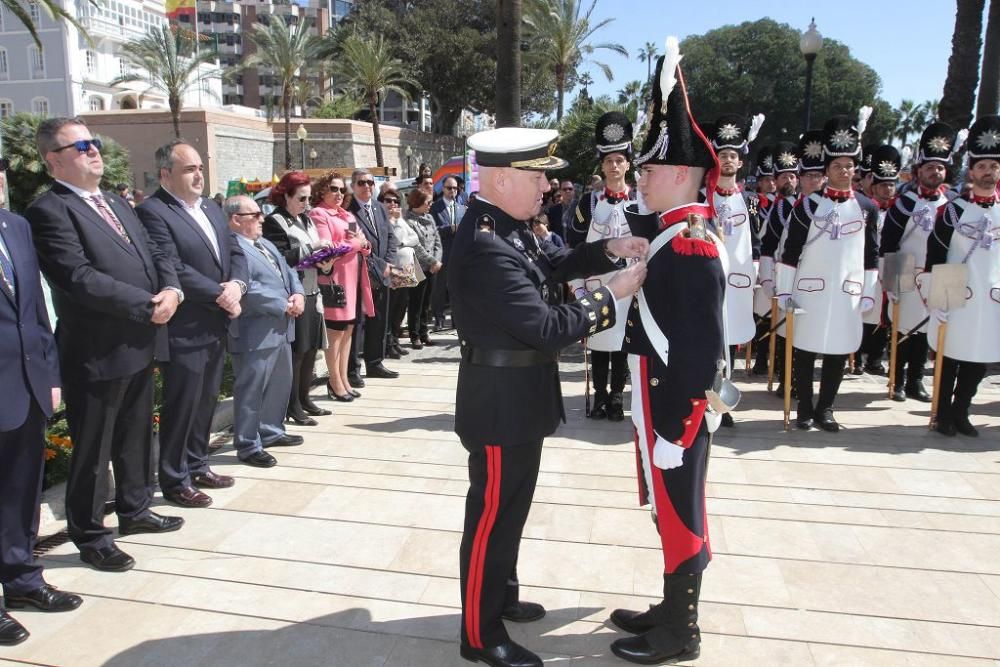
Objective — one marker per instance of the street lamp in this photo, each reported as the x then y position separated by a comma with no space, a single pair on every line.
409,156
809,44
312,157
302,133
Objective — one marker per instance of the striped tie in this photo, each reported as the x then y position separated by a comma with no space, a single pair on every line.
110,217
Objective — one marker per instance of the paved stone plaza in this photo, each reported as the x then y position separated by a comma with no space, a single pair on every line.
876,546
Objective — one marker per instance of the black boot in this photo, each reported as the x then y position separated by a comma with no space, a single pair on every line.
674,636
616,410
599,409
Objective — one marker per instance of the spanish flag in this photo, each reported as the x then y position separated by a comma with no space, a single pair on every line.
175,8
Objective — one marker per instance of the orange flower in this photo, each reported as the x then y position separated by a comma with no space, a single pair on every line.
49,454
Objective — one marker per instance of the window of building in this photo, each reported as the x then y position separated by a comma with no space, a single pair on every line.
36,58
96,103
4,71
6,108
2,11
35,13
123,67
91,62
40,107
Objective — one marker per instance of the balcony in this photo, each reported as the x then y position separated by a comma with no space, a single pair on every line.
110,27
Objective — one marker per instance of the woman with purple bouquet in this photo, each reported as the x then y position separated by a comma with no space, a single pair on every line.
348,274
296,237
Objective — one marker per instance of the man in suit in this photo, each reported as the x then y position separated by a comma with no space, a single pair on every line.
260,339
29,373
374,222
113,289
446,212
192,230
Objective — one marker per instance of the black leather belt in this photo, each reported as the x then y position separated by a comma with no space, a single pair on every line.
505,358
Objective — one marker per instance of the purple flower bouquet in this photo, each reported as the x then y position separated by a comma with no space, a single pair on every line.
324,254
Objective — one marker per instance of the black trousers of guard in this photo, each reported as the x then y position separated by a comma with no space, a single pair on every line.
911,356
959,383
501,486
873,343
600,362
759,340
829,383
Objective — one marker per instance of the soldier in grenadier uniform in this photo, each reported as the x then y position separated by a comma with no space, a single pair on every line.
599,212
908,224
759,204
504,283
967,231
829,267
674,337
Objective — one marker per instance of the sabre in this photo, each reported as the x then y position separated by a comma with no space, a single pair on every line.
586,378
771,350
791,309
914,330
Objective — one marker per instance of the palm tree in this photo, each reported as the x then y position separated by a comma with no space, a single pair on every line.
366,65
53,9
647,54
629,92
908,121
167,61
304,95
287,52
508,95
561,39
963,65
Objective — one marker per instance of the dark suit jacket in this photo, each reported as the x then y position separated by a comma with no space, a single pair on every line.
101,285
440,214
29,367
383,242
199,321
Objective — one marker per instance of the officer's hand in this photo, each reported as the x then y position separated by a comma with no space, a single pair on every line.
891,296
867,303
667,455
783,301
627,282
768,287
630,246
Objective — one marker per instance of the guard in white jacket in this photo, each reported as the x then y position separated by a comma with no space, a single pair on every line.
829,267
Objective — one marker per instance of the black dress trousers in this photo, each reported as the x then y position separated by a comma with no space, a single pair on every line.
22,454
829,383
959,384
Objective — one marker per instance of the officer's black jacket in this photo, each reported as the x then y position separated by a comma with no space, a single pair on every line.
774,225
496,280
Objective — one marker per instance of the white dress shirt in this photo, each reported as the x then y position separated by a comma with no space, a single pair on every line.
198,215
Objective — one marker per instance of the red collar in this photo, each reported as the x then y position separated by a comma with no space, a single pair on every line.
680,213
986,201
763,201
616,196
723,192
838,195
933,193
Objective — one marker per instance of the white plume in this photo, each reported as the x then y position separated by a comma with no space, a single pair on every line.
906,154
668,75
863,115
755,124
960,140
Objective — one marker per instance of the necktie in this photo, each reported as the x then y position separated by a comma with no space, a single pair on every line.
267,256
7,274
371,218
451,212
109,217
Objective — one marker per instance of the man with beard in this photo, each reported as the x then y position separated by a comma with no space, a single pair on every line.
967,231
908,226
829,266
504,283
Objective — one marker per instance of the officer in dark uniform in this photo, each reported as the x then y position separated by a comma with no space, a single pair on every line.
504,284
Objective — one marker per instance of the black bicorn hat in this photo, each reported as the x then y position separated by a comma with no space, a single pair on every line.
673,136
613,134
811,151
785,157
866,158
731,131
983,142
886,161
938,143
842,136
765,162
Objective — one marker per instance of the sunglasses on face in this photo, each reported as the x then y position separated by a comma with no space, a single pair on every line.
82,146
451,187
368,184
255,214
303,199
390,200
342,191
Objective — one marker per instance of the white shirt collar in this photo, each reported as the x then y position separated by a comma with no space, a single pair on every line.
197,204
86,194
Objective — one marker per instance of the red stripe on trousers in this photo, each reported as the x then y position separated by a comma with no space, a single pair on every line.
677,541
477,563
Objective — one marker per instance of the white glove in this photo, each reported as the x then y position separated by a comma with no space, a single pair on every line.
940,315
768,287
667,455
891,296
867,303
783,300
580,292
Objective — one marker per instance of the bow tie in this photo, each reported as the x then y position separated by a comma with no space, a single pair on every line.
925,193
838,195
985,202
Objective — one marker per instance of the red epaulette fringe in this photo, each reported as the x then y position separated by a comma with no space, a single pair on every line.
685,245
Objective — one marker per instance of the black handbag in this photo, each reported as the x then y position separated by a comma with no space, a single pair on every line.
333,295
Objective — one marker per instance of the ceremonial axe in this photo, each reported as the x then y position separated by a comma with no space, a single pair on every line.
948,287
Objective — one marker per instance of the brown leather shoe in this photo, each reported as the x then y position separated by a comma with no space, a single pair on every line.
210,480
187,496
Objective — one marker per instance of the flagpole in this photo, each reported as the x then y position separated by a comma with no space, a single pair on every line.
197,50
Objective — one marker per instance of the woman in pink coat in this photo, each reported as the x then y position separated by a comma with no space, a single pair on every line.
338,226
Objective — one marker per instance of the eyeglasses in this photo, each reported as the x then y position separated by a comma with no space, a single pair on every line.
342,191
369,184
255,214
82,146
391,200
451,187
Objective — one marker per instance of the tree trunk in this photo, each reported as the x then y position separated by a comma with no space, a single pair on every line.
175,114
560,91
508,95
989,89
286,104
963,65
376,134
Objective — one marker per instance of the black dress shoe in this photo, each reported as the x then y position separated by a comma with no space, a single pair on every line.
874,368
634,622
898,394
918,393
965,427
286,441
315,410
355,380
508,654
334,396
260,459
759,368
727,420
380,371
417,344
301,420
211,480
46,598
354,392
616,407
108,559
150,522
946,428
804,423
393,353
827,422
599,410
638,650
187,496
428,342
12,632
523,612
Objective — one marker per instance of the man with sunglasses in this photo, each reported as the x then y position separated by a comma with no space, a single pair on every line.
446,211
113,290
374,222
212,269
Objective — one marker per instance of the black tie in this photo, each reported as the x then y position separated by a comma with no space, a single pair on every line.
270,258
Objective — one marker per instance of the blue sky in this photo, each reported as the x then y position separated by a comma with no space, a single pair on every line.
907,43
